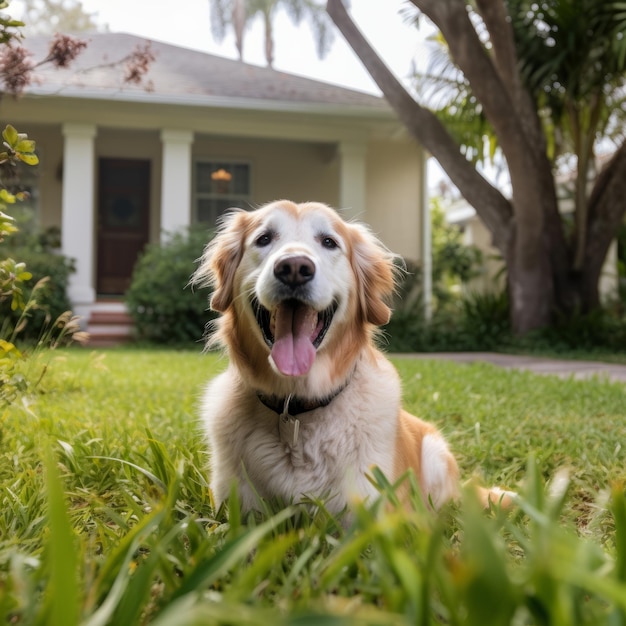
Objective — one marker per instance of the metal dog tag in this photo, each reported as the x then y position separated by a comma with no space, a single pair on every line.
289,427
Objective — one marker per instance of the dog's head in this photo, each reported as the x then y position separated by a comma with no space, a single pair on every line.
298,282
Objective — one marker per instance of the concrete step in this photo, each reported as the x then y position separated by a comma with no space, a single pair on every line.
109,325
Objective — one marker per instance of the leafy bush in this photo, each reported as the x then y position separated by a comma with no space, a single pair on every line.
599,329
472,322
480,321
484,320
453,262
163,306
51,299
38,250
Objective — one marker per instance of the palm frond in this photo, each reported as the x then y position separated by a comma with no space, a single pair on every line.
315,14
220,16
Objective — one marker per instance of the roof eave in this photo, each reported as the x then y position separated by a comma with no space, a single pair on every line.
221,102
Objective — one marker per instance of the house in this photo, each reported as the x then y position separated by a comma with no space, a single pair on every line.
123,165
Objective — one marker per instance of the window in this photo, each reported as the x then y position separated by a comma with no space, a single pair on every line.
220,185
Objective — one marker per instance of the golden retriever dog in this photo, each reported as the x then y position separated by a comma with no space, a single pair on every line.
308,404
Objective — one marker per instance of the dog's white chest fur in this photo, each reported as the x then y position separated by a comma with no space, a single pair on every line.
336,445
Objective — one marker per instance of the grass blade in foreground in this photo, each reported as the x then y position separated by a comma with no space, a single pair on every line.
63,598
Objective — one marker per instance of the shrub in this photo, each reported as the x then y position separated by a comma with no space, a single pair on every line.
37,249
163,306
484,320
603,328
481,321
475,321
51,299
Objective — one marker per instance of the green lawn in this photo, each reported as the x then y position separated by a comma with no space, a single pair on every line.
106,516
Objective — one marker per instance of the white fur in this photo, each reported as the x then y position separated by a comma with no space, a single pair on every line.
436,480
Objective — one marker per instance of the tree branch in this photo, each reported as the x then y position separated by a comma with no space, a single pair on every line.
496,19
452,19
492,207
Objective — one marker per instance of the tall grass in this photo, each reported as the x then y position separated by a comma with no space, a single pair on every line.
107,518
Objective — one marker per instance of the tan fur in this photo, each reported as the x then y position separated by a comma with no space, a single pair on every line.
364,424
409,438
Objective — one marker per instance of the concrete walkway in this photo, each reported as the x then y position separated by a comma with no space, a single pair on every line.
538,365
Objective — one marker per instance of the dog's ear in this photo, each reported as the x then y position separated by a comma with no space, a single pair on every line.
375,274
221,258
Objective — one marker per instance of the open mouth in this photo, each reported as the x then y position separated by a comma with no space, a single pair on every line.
293,331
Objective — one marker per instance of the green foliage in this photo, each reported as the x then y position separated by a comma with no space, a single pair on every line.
164,308
13,274
481,321
600,329
9,28
574,68
454,263
461,320
50,272
109,520
472,322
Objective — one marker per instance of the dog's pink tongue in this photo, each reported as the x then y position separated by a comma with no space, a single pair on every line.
293,352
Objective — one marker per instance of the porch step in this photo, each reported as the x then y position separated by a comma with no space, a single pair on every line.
109,325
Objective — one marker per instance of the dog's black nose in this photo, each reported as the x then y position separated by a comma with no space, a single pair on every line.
294,271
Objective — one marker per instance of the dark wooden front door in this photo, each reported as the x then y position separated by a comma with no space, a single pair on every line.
123,220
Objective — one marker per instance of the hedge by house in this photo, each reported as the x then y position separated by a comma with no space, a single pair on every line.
51,299
164,307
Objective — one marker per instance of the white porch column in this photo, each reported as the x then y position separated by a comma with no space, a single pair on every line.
352,178
176,180
77,221
427,246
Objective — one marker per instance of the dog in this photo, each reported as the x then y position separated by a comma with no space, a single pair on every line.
308,404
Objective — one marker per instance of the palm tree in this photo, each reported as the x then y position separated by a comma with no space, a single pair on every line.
240,13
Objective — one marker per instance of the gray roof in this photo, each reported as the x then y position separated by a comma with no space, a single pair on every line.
188,76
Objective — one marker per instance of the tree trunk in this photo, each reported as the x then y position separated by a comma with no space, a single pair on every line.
269,38
239,25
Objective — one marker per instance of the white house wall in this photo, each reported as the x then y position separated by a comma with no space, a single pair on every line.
394,195
294,170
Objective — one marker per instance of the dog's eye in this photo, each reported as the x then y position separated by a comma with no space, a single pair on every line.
264,240
329,243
